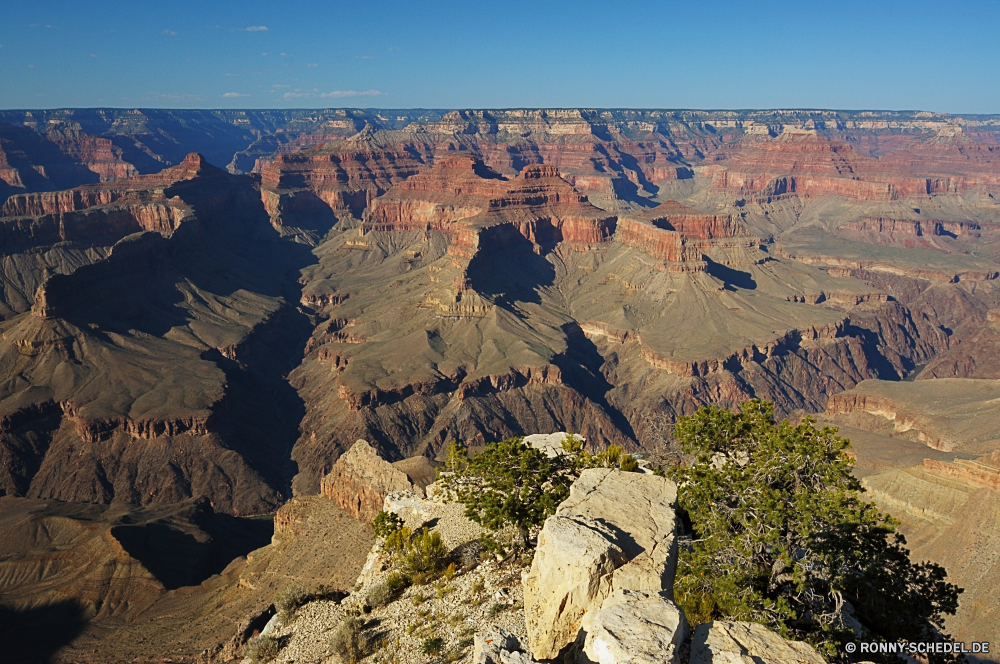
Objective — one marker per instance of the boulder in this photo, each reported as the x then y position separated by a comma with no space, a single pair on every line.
550,443
640,508
732,642
361,479
615,531
637,627
496,646
570,574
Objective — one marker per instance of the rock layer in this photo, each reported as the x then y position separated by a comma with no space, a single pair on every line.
360,481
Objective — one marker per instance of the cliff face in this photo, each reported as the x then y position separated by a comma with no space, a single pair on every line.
167,348
345,180
361,479
802,163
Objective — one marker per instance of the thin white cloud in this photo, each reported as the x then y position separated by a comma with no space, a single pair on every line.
311,65
234,94
173,97
257,28
169,33
364,57
231,75
280,86
335,94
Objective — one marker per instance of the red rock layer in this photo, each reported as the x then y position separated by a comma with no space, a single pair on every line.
545,208
110,209
458,187
345,176
953,155
806,165
909,233
461,196
675,233
361,479
983,472
916,227
664,245
97,154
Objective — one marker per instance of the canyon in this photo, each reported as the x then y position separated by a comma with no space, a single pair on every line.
202,311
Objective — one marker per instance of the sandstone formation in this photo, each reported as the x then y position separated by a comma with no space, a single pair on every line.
614,532
731,642
951,415
551,443
361,479
801,163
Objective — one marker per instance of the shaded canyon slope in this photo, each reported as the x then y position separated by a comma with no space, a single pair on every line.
184,345
149,365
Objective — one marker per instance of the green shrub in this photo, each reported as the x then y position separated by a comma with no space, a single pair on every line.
380,595
262,649
781,500
425,556
385,592
290,600
386,523
349,640
398,540
628,463
496,608
511,483
432,645
398,581
610,457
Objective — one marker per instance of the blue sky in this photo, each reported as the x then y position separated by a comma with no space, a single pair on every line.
847,55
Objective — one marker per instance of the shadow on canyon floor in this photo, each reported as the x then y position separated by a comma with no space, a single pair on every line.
33,636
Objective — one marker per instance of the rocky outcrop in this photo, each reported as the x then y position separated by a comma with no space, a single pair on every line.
638,627
361,479
616,531
916,227
731,642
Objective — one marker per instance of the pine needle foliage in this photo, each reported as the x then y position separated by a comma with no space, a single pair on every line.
386,523
782,537
512,484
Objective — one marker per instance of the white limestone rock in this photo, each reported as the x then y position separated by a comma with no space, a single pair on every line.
732,642
490,644
635,627
616,530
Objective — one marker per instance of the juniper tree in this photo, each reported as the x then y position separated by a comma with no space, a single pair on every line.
781,536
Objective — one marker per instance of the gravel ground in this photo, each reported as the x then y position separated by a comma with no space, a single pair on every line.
452,610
